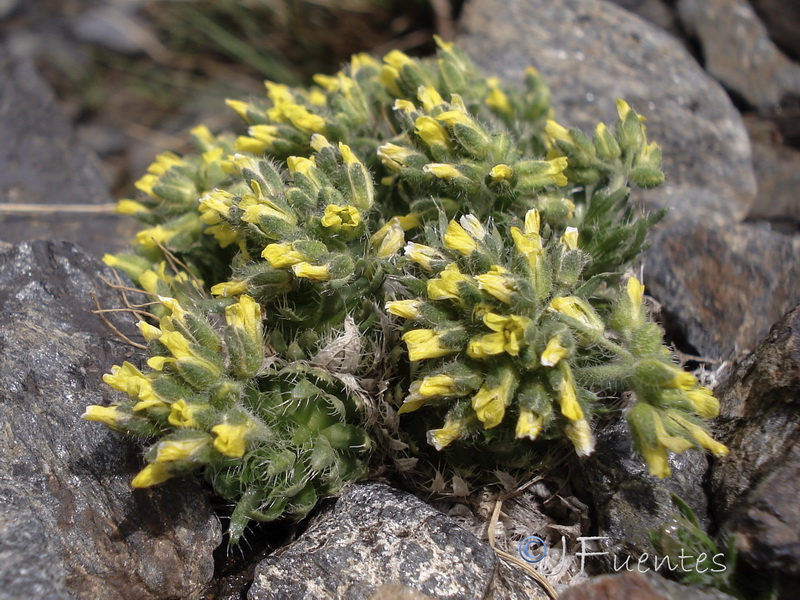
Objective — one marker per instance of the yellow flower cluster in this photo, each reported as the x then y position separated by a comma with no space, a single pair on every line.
200,425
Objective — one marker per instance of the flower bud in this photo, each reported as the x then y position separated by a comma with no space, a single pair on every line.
535,175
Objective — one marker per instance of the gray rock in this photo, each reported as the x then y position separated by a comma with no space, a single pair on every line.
592,53
782,20
375,535
778,175
722,286
656,12
7,7
639,587
755,489
739,53
42,162
114,29
628,502
70,524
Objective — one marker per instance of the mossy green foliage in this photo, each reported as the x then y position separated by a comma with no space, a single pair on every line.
404,199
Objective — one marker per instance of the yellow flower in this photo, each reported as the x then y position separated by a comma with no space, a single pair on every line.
580,434
251,145
393,238
424,256
429,97
319,142
231,440
656,459
130,380
303,119
497,282
109,415
703,402
176,310
175,450
501,173
395,157
442,171
683,380
347,155
570,238
389,76
431,132
300,164
312,272
228,289
553,352
451,117
152,474
438,385
239,107
529,242
557,132
361,61
177,344
223,233
445,287
654,441
579,310
509,336
149,332
414,400
265,208
473,226
404,105
449,432
489,403
533,222
398,59
182,414
700,435
407,309
623,108
425,343
264,133
498,101
153,237
145,184
130,207
341,218
567,394
457,238
529,424
246,315
280,256
635,293
404,223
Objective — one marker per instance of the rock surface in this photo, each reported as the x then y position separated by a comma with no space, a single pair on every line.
778,175
70,525
639,587
628,502
755,490
782,20
376,535
656,12
739,53
42,162
592,53
722,286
